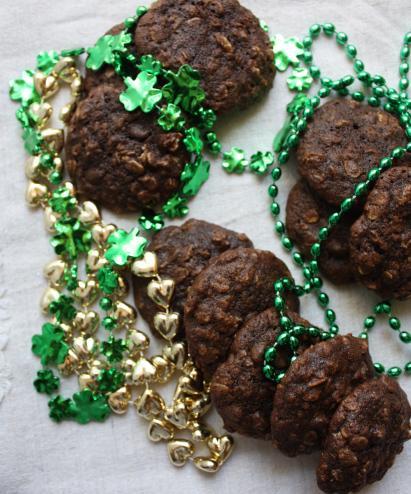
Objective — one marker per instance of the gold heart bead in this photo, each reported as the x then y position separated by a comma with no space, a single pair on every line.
175,353
159,430
180,451
186,387
42,113
32,168
128,365
85,381
88,213
177,415
50,219
86,322
221,447
144,371
86,292
149,404
137,341
146,267
198,407
75,86
84,347
54,139
36,194
124,314
101,233
163,367
70,363
65,68
122,287
200,432
119,400
54,272
208,465
95,261
49,295
167,324
161,292
45,85
95,368
66,112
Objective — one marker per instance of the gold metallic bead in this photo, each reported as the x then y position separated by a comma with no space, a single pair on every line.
176,353
84,347
161,292
49,295
32,167
54,139
208,465
88,213
58,164
122,288
54,272
180,451
70,363
45,85
42,113
144,371
36,194
119,400
86,322
65,69
124,314
70,187
85,381
167,324
160,430
128,365
101,232
75,87
200,432
186,387
50,219
191,371
177,415
221,447
164,368
149,404
146,267
95,261
86,292
137,341
66,112
198,407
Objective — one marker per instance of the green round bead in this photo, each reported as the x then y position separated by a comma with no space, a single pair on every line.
358,65
363,335
358,96
315,72
315,249
369,322
360,189
269,372
404,83
283,157
307,42
379,80
287,243
275,208
325,336
394,371
323,299
307,56
315,101
279,303
398,152
294,342
285,322
279,227
109,323
283,339
328,28
330,316
314,266
351,51
276,173
315,30
324,92
323,233
341,38
373,174
404,68
273,191
270,355
55,178
404,53
334,329
373,101
279,377
407,368
405,337
407,38
317,282
334,219
327,82
106,303
379,368
386,163
313,332
394,323
346,205
298,258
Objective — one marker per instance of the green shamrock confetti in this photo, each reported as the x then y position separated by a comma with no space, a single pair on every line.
71,238
60,408
193,141
207,118
151,222
234,161
73,52
140,93
299,80
32,141
184,88
62,201
176,207
149,64
171,118
46,382
196,176
106,48
113,349
260,162
110,380
23,90
63,309
50,345
124,246
46,60
286,52
107,279
87,406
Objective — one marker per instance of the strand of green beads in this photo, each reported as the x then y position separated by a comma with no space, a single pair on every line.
404,63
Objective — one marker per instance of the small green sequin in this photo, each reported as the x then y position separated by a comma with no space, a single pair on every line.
46,382
184,88
149,64
110,380
235,161
32,141
60,409
23,90
207,118
46,60
151,222
87,406
193,141
71,238
62,200
194,176
70,277
299,80
170,118
140,93
176,207
50,345
107,279
286,51
63,309
105,49
125,245
113,349
261,162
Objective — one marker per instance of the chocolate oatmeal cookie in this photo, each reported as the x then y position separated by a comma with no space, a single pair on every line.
367,431
233,287
221,39
241,394
312,389
121,160
342,143
182,253
306,214
381,237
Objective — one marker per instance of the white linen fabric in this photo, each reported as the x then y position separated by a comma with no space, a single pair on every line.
38,456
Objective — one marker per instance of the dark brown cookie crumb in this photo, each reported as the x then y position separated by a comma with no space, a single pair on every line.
241,394
306,214
233,287
182,253
312,389
367,431
381,237
342,143
219,38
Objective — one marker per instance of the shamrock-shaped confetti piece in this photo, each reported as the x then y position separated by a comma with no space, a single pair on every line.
23,90
110,380
59,408
151,222
87,406
113,349
46,60
71,238
105,49
62,200
46,382
193,141
124,246
299,80
50,345
286,52
107,279
170,118
63,309
176,207
149,64
32,141
207,118
140,93
197,176
184,88
260,162
234,161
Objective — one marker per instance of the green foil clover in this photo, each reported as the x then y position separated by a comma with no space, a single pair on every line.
287,51
110,380
32,141
260,162
71,238
107,279
106,48
193,141
46,61
87,406
150,65
124,246
207,118
23,90
195,175
234,161
50,345
184,88
113,349
171,118
151,222
46,382
300,80
63,309
140,93
176,207
62,201
60,408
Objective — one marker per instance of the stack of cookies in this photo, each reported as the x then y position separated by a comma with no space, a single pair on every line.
372,243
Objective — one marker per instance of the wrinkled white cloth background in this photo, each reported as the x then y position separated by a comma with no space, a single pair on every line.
40,457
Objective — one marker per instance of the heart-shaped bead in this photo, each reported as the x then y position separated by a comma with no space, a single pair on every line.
100,233
146,267
54,139
95,261
69,364
200,432
66,112
175,353
88,213
45,85
32,168
144,371
198,407
84,347
149,404
42,113
86,322
54,272
160,430
50,219
164,368
180,451
137,341
65,68
177,415
86,292
36,194
119,400
49,295
85,381
208,465
161,292
186,387
124,314
221,446
167,324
